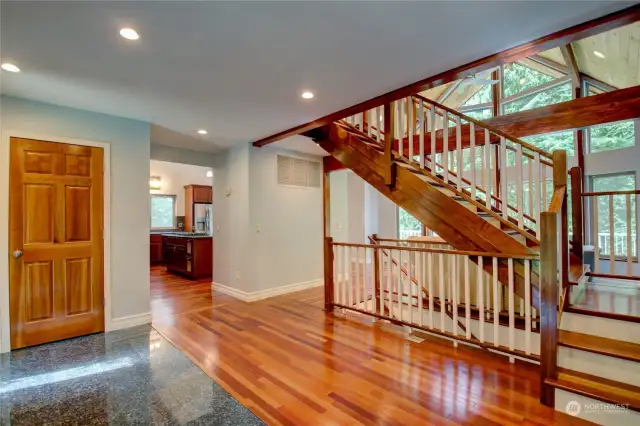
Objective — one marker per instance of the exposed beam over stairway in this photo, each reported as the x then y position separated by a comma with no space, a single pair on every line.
607,107
557,39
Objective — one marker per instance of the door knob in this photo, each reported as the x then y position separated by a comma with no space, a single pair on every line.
17,254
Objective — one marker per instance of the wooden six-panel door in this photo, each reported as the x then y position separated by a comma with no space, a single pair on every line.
56,243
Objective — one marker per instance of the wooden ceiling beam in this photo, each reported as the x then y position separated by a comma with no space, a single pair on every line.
583,112
559,38
572,64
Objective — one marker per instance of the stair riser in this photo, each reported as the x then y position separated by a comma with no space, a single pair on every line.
619,418
603,327
604,366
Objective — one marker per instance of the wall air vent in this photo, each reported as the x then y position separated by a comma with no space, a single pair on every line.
294,171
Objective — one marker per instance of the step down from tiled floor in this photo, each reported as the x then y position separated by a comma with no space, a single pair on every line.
600,345
594,387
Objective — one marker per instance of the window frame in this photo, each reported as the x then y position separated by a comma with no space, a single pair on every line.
590,182
423,229
175,210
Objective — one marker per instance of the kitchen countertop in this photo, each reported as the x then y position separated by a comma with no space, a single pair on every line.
172,235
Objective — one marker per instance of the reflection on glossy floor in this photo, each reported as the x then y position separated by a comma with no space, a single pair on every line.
125,377
608,295
292,364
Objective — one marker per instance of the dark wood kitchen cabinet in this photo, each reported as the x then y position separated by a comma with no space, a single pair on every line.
189,256
156,252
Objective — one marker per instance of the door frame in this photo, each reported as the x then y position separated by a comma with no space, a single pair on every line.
5,322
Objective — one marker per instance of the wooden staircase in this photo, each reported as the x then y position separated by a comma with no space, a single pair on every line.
446,199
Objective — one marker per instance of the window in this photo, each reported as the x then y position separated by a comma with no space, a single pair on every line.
552,141
408,226
611,136
618,182
518,78
550,96
482,96
163,211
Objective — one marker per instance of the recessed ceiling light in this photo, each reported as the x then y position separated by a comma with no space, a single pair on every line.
209,173
522,81
129,34
202,132
10,67
599,54
307,95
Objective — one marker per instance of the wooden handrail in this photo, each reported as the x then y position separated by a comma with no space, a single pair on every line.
485,126
596,194
533,256
428,240
557,199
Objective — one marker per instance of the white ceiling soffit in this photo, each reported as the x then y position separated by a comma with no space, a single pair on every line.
237,69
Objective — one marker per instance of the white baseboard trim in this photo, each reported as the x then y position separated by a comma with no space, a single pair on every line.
265,294
129,321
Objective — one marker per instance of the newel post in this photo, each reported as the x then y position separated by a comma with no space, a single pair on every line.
389,136
548,305
376,269
328,274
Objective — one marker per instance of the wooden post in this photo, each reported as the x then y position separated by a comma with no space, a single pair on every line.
389,136
376,270
328,274
559,180
577,212
548,305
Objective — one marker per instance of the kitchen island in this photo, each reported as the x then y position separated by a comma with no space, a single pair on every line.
188,253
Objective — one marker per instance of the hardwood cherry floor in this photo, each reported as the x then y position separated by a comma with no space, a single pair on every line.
292,364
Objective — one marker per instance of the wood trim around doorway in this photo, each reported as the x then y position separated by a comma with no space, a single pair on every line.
5,342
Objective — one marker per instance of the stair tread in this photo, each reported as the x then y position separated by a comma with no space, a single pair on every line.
595,387
600,345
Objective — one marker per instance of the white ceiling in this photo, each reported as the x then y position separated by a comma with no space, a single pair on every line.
237,68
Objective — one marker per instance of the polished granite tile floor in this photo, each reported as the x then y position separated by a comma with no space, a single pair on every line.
126,377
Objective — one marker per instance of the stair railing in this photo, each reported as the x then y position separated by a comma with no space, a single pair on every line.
505,174
379,280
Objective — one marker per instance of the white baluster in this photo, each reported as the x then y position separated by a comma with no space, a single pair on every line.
473,156
336,273
411,275
467,298
527,305
357,283
596,239
421,131
504,167
378,127
445,145
401,119
420,288
410,126
512,319
352,276
390,283
400,285
519,186
432,124
612,240
441,294
487,167
455,284
530,170
536,197
543,187
346,271
480,296
496,304
459,168
629,244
